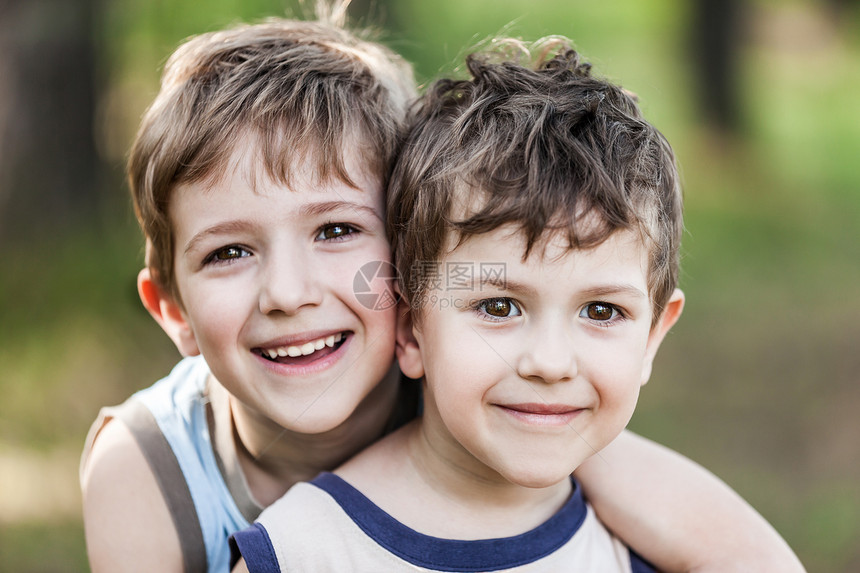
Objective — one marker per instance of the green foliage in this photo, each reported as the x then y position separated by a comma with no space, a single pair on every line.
74,335
832,526
43,547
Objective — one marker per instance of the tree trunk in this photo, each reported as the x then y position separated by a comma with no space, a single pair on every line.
48,161
716,38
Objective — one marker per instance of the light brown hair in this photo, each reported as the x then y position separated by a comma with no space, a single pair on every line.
305,90
533,139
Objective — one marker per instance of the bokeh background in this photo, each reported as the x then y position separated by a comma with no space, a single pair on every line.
760,382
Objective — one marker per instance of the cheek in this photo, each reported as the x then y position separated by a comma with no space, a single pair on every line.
619,354
216,311
618,383
215,330
462,373
620,379
348,271
381,327
613,367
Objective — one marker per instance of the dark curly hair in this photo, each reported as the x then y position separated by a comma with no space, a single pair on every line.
533,139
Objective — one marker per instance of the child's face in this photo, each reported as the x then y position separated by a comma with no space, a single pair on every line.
538,364
268,271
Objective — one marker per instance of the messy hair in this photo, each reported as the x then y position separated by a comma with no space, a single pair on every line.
304,91
535,140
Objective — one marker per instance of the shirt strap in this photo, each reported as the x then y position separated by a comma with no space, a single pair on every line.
168,474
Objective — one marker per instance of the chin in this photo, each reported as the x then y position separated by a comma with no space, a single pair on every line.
319,418
538,478
313,427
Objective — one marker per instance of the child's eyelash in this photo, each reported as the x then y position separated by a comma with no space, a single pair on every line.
226,255
336,231
595,312
497,309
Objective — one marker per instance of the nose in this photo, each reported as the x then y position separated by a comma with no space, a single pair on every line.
289,284
548,354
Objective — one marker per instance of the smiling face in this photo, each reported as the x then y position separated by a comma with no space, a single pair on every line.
532,370
265,273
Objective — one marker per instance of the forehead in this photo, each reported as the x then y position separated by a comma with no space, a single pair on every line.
266,164
621,258
245,187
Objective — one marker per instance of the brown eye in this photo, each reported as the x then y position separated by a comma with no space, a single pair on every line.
499,307
599,311
229,253
226,255
334,231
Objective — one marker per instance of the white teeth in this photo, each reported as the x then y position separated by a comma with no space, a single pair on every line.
304,349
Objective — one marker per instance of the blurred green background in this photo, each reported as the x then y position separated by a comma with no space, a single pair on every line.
760,98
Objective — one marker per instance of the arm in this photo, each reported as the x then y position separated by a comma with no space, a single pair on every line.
126,520
678,515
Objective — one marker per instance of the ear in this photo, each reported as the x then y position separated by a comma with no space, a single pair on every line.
407,347
671,314
167,313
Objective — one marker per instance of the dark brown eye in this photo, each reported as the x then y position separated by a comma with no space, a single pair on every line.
600,311
499,307
229,253
334,231
226,255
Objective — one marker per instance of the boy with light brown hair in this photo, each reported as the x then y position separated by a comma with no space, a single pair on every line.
258,177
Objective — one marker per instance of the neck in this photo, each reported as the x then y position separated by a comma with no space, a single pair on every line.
454,473
273,458
448,496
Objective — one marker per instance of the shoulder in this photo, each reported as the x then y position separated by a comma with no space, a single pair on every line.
387,456
306,515
291,532
308,530
304,505
125,516
181,389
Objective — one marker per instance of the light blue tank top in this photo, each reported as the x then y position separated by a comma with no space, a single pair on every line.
178,403
171,421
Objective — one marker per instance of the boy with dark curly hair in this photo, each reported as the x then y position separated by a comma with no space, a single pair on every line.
535,219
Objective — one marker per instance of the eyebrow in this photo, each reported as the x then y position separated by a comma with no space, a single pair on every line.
227,227
592,292
614,289
503,283
325,207
313,209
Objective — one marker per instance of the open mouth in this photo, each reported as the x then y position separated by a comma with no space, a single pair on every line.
304,353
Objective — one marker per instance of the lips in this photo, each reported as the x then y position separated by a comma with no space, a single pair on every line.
303,351
541,413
